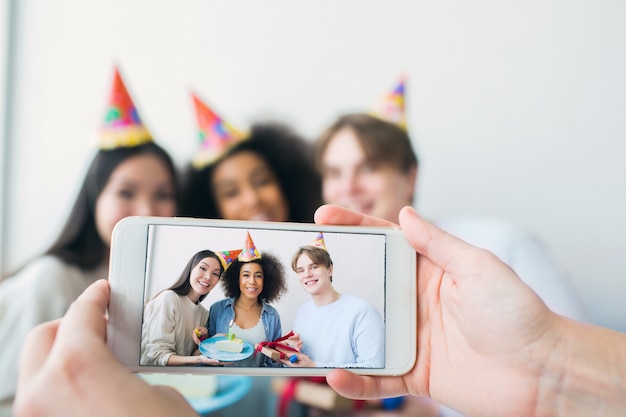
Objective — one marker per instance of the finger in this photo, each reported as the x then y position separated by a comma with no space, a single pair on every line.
363,387
85,317
35,351
333,214
430,241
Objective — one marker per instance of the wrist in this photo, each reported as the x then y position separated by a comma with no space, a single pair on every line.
586,371
553,369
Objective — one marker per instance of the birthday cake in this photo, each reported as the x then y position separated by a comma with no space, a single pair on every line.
230,344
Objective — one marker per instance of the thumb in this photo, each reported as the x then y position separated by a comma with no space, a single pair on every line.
430,241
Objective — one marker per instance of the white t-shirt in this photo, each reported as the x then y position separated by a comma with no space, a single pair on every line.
527,255
346,333
253,335
169,321
40,292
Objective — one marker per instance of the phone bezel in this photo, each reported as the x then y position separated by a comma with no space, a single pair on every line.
129,249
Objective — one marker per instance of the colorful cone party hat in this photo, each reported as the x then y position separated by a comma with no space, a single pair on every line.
249,251
227,257
391,107
319,241
214,134
122,125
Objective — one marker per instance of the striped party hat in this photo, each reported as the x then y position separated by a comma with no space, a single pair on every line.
391,107
319,241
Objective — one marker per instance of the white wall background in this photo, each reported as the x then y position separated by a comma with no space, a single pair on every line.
5,30
516,107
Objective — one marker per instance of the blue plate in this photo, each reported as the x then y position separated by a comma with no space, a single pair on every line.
208,349
230,389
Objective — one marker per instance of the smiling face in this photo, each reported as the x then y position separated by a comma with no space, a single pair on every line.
351,179
246,188
251,280
204,277
139,186
315,279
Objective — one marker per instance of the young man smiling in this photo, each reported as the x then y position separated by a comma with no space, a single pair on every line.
336,330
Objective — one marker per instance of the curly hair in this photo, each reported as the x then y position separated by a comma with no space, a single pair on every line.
289,156
274,281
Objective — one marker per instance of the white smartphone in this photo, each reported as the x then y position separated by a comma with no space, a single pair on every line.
358,311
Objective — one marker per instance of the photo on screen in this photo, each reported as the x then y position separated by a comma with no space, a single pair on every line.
358,275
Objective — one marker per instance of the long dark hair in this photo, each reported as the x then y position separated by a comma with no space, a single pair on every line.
79,242
289,156
183,284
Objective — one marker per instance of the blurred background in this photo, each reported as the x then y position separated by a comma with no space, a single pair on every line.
516,108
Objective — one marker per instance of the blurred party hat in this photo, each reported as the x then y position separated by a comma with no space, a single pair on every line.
214,134
249,251
319,241
122,125
228,256
391,107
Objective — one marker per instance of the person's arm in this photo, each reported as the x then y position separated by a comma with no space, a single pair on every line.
276,324
586,372
66,368
163,333
42,291
199,334
177,360
366,343
487,344
215,312
158,339
362,346
276,332
369,339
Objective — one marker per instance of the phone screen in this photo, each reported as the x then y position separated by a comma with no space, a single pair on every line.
357,275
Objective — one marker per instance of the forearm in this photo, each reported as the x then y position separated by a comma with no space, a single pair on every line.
175,360
590,367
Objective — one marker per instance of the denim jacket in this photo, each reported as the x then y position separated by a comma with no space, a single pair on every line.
222,312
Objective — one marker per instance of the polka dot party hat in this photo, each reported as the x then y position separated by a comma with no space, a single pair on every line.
227,257
249,251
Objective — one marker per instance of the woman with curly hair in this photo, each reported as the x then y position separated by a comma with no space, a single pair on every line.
265,174
250,283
